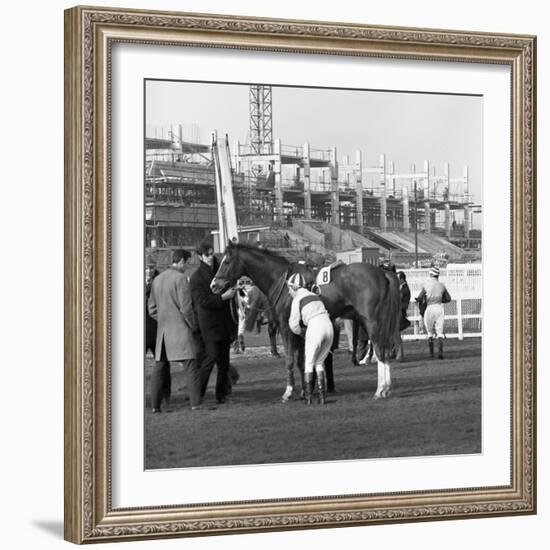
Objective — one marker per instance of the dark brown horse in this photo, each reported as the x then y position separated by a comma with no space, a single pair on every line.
368,291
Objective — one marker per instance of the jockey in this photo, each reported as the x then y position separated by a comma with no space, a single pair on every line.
308,311
435,294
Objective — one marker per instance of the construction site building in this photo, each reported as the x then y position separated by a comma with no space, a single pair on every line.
309,200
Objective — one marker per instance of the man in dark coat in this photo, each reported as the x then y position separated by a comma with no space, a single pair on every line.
150,324
216,323
171,306
405,297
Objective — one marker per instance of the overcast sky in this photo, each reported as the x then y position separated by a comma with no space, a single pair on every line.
407,127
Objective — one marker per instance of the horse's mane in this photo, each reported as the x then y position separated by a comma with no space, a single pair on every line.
264,251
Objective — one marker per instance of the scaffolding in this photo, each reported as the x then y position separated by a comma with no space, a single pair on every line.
276,183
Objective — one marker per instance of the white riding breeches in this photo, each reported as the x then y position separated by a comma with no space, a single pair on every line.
319,336
241,325
434,318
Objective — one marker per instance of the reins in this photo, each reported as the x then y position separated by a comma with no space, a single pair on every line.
279,289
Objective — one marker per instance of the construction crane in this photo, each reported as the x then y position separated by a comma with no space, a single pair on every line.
261,120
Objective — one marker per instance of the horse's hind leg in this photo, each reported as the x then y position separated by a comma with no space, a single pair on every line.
383,388
272,331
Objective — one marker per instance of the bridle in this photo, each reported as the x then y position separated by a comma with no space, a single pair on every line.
274,296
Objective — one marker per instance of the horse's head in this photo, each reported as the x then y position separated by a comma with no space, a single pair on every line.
230,270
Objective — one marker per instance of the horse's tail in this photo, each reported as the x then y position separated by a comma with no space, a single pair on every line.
389,313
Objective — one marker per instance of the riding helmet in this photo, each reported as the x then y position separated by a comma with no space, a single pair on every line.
296,281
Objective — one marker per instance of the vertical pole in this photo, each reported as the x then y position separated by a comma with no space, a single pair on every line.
307,180
459,318
467,214
359,188
393,191
447,179
278,183
334,191
447,220
427,216
383,204
467,219
447,198
392,173
405,200
173,133
415,225
466,185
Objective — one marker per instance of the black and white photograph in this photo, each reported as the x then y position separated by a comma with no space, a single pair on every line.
312,274
300,275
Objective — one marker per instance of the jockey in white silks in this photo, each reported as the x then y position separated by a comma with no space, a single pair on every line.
435,294
308,311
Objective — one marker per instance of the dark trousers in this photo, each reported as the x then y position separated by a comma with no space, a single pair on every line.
215,353
161,380
150,334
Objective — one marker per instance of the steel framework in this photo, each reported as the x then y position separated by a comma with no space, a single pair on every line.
261,119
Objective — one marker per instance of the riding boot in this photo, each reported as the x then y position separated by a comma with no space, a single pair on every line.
440,348
308,379
329,372
241,342
431,346
321,386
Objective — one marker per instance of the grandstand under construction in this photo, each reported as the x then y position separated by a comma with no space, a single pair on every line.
303,200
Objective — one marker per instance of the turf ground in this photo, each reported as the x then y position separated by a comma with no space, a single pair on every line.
434,409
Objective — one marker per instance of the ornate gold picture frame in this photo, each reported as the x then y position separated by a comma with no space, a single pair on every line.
90,35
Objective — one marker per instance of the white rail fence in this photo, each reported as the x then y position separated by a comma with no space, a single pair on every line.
463,315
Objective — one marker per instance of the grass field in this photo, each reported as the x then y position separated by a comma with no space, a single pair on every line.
435,409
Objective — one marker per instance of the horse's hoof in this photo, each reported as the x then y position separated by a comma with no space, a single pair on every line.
287,397
376,396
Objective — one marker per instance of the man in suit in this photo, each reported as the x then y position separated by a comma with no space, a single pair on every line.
404,323
217,327
171,306
150,323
